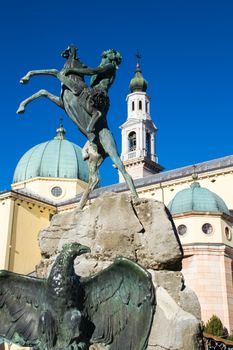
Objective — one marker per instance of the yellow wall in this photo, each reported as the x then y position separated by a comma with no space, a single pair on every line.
6,216
28,219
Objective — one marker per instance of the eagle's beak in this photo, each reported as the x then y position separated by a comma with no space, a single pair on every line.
84,249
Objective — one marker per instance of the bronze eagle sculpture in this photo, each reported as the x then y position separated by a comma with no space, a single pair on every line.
65,311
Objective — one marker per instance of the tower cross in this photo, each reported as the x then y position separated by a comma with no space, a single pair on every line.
138,57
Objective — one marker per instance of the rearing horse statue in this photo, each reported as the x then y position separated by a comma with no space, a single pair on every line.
87,107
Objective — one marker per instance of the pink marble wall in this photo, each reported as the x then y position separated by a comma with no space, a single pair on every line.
208,271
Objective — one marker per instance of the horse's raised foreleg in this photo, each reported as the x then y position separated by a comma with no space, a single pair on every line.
94,162
109,145
41,93
60,75
25,79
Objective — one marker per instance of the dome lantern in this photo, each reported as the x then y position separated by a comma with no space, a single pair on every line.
60,132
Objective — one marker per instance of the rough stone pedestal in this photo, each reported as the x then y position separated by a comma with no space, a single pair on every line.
143,231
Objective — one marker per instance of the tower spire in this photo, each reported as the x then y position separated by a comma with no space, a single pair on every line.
138,83
139,131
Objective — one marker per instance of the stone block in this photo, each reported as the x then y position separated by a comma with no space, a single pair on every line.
115,225
173,328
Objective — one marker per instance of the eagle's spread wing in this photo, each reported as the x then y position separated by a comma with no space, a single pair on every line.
21,313
120,303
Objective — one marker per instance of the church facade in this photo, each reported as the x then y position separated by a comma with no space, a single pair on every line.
50,178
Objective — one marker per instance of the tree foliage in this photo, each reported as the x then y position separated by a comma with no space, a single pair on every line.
214,326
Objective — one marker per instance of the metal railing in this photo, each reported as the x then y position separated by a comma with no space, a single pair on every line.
216,343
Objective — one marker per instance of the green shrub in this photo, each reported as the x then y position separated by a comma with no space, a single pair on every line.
230,337
214,326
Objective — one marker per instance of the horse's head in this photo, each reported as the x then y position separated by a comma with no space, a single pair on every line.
111,56
70,52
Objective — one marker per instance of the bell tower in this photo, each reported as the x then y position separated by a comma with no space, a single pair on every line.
139,132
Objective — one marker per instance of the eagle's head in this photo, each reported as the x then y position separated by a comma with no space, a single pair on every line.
75,249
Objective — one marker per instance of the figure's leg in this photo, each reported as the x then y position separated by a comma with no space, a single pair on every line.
77,346
41,93
83,346
94,162
109,145
95,117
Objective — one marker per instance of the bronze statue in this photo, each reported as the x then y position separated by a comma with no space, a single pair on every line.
87,107
114,307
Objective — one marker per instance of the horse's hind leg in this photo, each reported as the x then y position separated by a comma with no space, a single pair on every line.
109,145
94,162
41,93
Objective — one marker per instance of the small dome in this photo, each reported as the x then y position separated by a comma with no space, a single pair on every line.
58,158
138,83
197,198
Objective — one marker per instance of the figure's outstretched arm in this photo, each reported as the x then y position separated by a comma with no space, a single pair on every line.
90,71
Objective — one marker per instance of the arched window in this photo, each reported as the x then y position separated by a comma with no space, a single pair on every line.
132,141
133,106
146,106
148,144
140,105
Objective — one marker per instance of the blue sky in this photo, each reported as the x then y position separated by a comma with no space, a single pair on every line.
187,59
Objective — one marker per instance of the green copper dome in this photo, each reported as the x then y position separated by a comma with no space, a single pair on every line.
58,158
138,83
197,198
